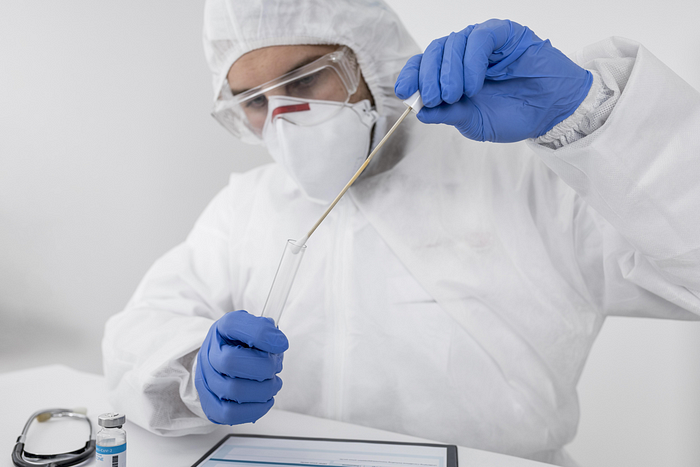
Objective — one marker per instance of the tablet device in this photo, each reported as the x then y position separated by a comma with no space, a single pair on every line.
241,450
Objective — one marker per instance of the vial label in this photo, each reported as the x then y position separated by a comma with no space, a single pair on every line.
111,456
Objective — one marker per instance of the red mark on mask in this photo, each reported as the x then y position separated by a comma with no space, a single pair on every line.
290,108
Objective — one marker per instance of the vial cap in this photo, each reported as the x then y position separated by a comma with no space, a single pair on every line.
111,420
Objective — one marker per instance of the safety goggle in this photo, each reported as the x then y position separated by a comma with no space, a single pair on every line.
333,77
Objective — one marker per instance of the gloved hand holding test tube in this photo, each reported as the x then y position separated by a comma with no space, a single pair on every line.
294,250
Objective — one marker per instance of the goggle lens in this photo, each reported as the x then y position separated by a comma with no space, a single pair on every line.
332,78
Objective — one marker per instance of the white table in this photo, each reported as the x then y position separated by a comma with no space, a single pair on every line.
23,392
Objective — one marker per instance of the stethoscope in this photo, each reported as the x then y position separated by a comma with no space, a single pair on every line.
22,458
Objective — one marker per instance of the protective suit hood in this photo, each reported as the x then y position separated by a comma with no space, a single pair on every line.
369,27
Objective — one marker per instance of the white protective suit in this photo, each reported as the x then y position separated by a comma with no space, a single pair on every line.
455,292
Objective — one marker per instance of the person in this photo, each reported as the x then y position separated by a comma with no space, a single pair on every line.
455,291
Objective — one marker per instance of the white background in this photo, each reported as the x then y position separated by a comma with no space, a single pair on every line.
108,154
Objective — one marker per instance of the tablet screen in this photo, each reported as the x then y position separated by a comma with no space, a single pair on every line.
259,451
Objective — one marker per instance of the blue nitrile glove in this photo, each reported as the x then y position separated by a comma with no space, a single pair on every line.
495,81
237,366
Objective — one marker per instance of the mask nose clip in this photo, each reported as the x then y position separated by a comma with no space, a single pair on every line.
283,109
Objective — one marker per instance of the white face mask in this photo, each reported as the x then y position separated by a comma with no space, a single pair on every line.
320,158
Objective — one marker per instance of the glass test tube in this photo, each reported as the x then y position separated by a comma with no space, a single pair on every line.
284,277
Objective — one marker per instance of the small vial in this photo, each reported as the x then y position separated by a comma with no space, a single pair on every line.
111,440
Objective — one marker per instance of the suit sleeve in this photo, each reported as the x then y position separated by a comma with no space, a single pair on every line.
149,348
639,173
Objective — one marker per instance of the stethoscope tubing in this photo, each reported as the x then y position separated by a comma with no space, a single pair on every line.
21,458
